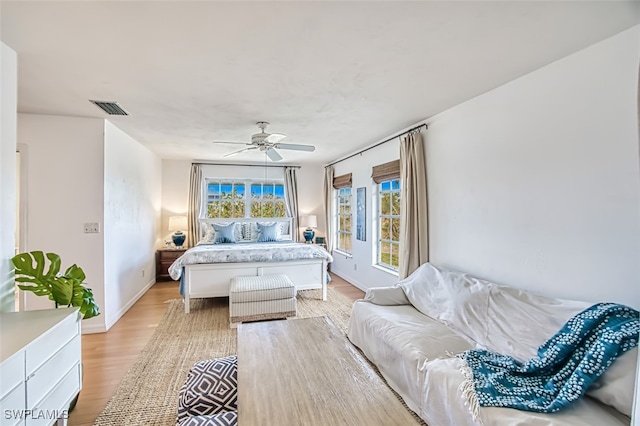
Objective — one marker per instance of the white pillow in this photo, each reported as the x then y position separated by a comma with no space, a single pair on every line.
209,234
616,386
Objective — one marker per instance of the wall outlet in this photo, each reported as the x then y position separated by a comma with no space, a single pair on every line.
91,228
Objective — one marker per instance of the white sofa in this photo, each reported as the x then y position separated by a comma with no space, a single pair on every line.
412,331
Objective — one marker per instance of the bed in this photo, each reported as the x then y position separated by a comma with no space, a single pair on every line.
206,269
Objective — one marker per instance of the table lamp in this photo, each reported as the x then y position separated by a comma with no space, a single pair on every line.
178,223
310,221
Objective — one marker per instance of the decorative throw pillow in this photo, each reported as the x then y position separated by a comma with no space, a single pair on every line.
249,231
225,233
209,234
267,232
211,388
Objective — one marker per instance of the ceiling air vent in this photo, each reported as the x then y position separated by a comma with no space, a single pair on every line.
111,108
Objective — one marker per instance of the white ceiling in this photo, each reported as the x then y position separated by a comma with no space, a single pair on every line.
339,75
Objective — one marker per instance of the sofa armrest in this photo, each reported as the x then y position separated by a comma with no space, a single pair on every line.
386,296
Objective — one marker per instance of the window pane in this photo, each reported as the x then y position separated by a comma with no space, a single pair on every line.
385,201
385,228
347,223
395,203
213,209
347,243
395,229
394,255
385,185
239,191
281,209
279,191
238,209
395,184
225,208
385,253
267,192
256,208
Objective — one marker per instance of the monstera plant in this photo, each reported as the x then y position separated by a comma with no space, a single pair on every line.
42,273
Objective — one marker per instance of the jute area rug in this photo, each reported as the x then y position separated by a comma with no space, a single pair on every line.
148,393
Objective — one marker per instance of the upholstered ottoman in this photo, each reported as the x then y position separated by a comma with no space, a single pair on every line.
261,297
210,393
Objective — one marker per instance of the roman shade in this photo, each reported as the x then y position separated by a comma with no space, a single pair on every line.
342,181
386,171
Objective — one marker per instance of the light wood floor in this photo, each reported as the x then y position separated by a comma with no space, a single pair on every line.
108,356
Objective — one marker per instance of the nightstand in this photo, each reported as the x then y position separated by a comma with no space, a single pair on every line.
164,259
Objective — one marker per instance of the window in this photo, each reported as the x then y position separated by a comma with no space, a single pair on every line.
225,199
389,223
231,199
344,220
267,200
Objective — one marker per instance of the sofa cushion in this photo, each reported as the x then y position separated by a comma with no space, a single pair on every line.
518,322
399,340
616,386
456,299
444,404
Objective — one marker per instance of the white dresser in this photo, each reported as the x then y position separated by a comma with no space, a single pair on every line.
40,371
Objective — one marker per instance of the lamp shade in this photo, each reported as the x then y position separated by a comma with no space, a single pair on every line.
309,221
177,223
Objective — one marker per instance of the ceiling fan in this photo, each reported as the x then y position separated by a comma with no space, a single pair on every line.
267,143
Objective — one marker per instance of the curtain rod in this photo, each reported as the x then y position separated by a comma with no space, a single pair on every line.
205,163
378,144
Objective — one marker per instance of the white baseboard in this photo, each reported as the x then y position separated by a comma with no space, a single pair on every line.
351,281
93,328
128,306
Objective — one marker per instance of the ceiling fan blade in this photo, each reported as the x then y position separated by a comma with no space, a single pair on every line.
275,137
231,154
232,143
295,147
273,154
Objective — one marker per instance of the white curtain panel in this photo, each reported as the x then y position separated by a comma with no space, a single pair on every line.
195,201
328,208
414,233
291,196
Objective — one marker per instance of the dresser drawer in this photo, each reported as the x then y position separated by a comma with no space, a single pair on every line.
40,381
56,403
13,407
11,373
51,342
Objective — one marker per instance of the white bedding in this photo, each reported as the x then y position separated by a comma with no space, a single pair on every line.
248,252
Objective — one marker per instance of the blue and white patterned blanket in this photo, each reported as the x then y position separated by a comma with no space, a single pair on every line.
565,366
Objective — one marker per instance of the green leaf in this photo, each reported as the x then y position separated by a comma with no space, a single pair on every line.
64,289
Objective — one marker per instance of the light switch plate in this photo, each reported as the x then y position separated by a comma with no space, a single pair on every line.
91,228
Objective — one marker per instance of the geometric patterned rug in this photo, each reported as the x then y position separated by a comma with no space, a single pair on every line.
148,393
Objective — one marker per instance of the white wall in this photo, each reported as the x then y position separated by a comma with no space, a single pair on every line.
65,190
536,183
358,268
132,180
8,124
